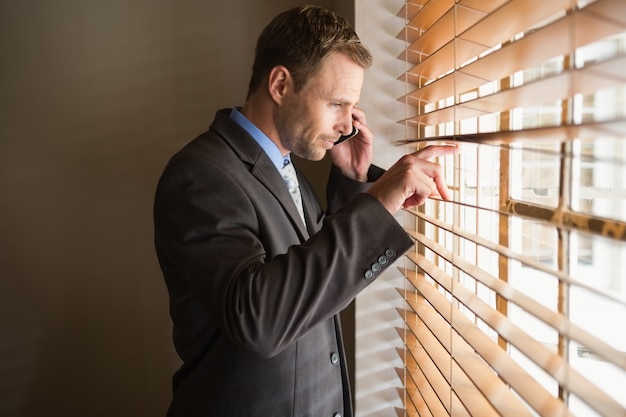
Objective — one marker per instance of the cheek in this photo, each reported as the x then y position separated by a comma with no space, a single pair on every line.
310,125
327,121
310,119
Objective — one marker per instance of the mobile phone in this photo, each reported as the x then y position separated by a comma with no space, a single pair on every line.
346,137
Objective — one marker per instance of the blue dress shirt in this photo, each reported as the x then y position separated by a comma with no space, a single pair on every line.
268,146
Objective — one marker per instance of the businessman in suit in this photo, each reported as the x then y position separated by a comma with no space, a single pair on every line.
256,273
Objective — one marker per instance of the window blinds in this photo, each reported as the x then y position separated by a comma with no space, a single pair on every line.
515,294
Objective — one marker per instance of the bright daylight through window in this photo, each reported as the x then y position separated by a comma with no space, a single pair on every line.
516,291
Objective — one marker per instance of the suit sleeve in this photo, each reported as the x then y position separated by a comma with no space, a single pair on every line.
219,268
341,189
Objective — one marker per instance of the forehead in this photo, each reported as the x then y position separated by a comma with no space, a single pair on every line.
338,77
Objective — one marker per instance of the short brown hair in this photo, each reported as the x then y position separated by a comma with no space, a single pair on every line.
300,39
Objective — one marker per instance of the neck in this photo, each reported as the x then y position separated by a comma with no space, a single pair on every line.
259,112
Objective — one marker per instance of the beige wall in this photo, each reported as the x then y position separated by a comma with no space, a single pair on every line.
377,383
94,98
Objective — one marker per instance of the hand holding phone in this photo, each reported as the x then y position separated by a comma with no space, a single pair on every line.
354,159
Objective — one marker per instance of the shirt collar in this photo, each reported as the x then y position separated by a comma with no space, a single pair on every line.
266,144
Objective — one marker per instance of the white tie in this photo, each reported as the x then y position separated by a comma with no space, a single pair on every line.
289,175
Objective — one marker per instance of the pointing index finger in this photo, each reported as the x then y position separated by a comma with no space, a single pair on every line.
437,150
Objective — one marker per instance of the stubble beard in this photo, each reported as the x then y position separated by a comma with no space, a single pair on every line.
306,150
295,138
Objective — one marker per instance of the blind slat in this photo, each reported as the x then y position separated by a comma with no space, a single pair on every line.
413,401
430,41
584,81
612,128
610,10
407,412
551,318
442,61
449,398
545,43
467,368
552,40
443,31
485,6
513,17
570,220
437,343
511,254
427,393
550,362
507,269
429,14
411,8
429,376
528,389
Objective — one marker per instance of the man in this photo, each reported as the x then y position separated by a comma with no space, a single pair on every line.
256,285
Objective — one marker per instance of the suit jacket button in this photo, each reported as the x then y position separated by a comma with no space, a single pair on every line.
334,358
338,415
368,274
390,253
376,267
383,260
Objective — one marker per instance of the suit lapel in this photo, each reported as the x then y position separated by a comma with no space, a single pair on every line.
261,167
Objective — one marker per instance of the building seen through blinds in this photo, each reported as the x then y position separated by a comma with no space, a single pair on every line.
516,291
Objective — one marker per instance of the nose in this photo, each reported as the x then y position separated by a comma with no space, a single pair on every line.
346,126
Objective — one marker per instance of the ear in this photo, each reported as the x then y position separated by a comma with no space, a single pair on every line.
279,82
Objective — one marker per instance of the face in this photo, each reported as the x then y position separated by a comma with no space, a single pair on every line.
311,120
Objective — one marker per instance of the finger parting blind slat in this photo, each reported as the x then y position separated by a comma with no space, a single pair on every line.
516,292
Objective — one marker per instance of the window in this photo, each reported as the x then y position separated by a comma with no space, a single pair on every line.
516,291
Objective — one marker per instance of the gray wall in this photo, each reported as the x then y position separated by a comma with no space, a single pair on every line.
95,96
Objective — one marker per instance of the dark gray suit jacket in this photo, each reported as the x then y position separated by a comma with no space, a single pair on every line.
254,294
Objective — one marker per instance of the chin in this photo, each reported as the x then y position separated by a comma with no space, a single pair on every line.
311,154
318,157
319,154
314,157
